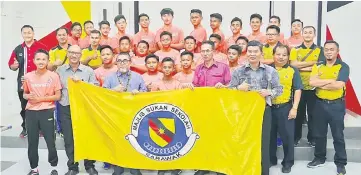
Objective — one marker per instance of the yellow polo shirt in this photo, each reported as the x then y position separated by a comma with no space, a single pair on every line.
268,51
58,53
90,52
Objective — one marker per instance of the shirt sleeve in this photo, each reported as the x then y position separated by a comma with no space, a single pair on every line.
227,75
293,54
26,84
344,73
106,83
235,81
181,36
157,36
314,70
195,81
52,56
92,79
57,84
276,87
84,55
12,58
296,81
142,87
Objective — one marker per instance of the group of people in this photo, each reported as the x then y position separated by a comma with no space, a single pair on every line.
291,74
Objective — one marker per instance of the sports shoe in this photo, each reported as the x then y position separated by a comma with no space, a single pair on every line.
23,133
297,142
106,166
175,172
279,142
316,163
286,169
341,170
312,144
54,172
32,172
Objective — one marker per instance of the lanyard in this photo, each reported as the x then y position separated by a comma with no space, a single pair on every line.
128,81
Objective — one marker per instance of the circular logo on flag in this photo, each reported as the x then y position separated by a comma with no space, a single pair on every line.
162,132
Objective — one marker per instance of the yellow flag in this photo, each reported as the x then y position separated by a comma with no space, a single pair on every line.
205,129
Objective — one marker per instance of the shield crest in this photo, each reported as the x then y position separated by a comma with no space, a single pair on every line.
161,130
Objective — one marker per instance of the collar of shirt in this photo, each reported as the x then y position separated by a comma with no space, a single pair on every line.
119,74
267,45
338,61
24,45
60,48
261,65
80,67
215,63
90,48
284,66
304,47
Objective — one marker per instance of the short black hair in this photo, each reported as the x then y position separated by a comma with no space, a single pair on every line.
276,17
214,35
42,51
75,24
106,47
196,11
236,47
151,56
242,38
96,31
190,37
274,27
165,33
217,16
124,38
167,59
27,26
209,42
255,43
166,11
281,46
119,17
141,15
296,20
104,22
332,42
144,42
124,53
255,15
310,27
237,19
62,28
187,53
86,22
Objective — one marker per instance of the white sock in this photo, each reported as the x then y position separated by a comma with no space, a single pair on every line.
55,168
35,169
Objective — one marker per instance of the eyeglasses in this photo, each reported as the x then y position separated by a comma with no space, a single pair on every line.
74,53
123,61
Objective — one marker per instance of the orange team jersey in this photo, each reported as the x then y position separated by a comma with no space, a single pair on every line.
73,41
43,86
282,38
148,37
174,54
101,73
166,86
152,78
107,41
177,34
184,78
116,38
200,34
292,41
136,60
223,45
232,40
84,42
261,37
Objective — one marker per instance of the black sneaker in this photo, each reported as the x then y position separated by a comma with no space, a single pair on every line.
175,172
312,144
316,163
54,172
32,172
72,172
297,141
92,171
23,134
286,169
341,170
161,172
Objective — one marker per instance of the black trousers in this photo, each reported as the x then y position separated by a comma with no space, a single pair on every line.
333,114
306,104
23,103
266,134
41,120
285,128
65,118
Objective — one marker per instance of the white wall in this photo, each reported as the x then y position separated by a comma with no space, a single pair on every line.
283,10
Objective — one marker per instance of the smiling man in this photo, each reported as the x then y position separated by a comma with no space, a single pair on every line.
236,27
256,23
199,32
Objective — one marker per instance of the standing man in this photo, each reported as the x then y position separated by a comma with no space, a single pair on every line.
167,15
58,53
104,28
256,23
76,31
242,41
304,57
121,24
22,59
264,79
273,34
167,50
125,80
77,72
284,108
217,54
236,27
41,89
108,67
296,39
215,23
91,55
88,27
145,34
199,32
329,78
276,20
